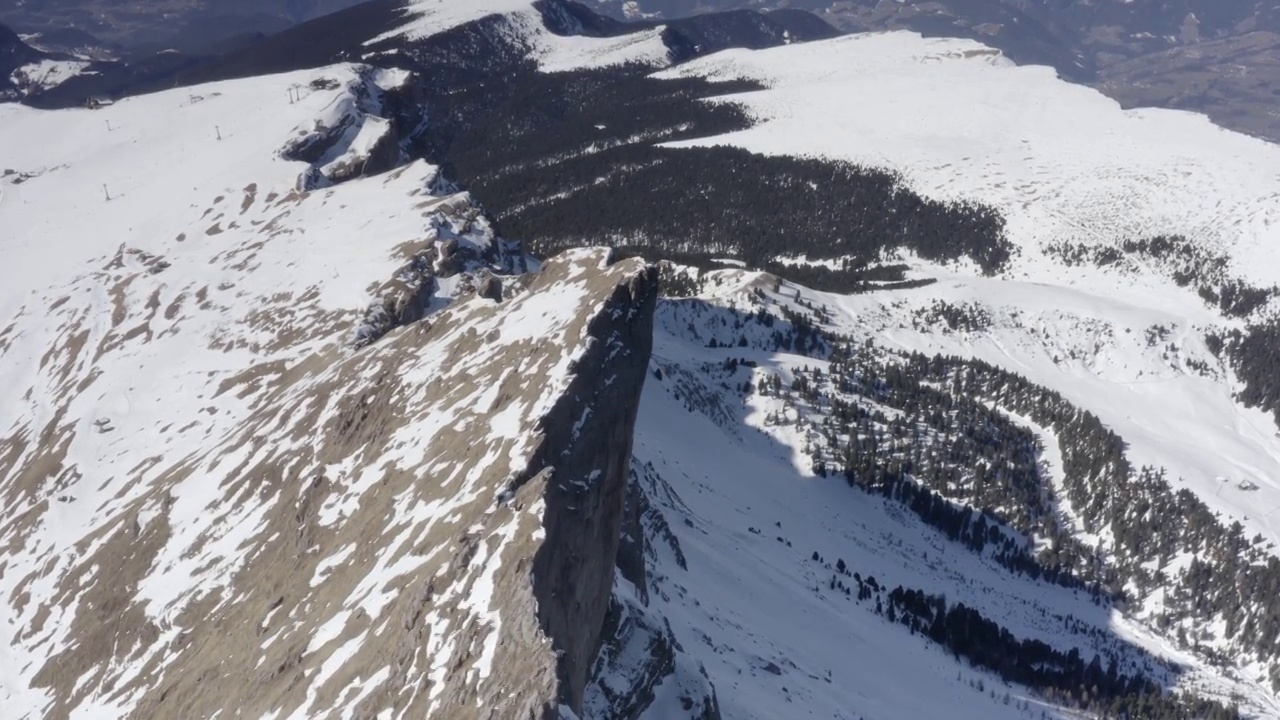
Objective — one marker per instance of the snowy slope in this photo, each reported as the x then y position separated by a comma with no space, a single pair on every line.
1124,341
739,494
1100,349
159,295
190,183
424,18
1062,162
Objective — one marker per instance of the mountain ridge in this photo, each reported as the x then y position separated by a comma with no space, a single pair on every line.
377,28
312,384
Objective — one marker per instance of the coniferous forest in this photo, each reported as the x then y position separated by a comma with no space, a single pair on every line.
1255,355
933,433
938,436
575,158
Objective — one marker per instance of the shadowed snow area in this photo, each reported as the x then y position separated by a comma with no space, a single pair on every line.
761,533
1066,166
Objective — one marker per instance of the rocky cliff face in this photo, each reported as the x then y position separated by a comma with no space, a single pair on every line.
304,453
363,133
583,466
427,526
641,667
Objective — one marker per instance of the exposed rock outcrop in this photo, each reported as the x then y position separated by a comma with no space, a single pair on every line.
641,669
460,256
588,442
427,526
296,459
364,132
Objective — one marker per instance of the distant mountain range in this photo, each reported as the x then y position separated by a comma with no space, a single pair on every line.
1219,57
186,25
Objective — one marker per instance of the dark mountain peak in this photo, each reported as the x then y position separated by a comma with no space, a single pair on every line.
702,34
74,42
564,17
11,45
802,24
460,51
724,28
695,35
14,53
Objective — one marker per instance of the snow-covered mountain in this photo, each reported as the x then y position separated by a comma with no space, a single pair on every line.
1218,57
1082,305
950,396
793,566
201,458
27,70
